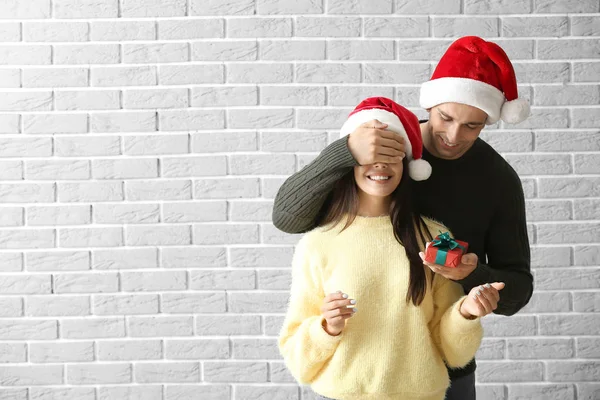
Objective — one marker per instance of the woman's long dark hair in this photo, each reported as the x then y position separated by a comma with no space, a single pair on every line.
406,221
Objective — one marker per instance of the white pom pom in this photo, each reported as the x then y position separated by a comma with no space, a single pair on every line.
419,170
515,111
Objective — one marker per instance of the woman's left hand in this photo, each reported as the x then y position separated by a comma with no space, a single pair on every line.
482,300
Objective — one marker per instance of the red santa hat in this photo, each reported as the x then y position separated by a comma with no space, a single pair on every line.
399,120
479,74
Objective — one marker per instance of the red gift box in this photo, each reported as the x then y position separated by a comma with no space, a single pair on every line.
444,250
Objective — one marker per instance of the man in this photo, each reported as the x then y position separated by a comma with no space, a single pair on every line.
472,189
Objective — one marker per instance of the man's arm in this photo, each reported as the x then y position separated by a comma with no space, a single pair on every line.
302,195
508,253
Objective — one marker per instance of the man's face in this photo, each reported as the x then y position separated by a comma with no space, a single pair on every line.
453,128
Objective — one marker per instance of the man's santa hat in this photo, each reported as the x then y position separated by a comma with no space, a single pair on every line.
479,74
399,120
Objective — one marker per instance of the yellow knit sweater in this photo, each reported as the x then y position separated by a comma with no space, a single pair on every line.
389,350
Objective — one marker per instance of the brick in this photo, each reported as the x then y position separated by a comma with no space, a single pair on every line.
520,325
125,350
296,141
531,26
569,187
274,164
90,237
87,100
567,95
418,50
266,257
211,325
19,329
10,306
585,25
42,261
13,353
585,117
11,170
122,30
540,164
328,73
220,96
153,8
397,27
279,373
197,349
586,302
10,78
497,7
130,168
184,120
216,7
273,324
167,372
274,279
31,375
284,50
260,118
360,50
157,235
55,123
86,8
85,282
193,166
321,118
327,26
492,349
511,141
544,210
588,347
238,50
514,371
573,278
587,163
12,216
542,118
225,234
26,54
155,53
396,73
132,121
548,302
86,54
359,7
57,306
491,392
218,142
569,371
68,215
35,9
205,302
124,76
568,324
125,304
10,32
173,74
456,27
259,27
233,188
27,239
568,48
587,255
544,391
59,169
569,233
222,280
260,73
430,7
117,259
30,193
90,191
586,71
160,326
163,189
155,98
567,6
190,29
532,349
255,349
155,144
26,101
98,374
194,212
249,302
18,394
55,31
92,328
267,392
548,72
137,392
588,391
65,352
352,95
193,257
235,371
577,141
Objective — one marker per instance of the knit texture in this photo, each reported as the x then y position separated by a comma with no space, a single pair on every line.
389,349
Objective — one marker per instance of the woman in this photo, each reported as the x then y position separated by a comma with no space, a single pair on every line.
365,253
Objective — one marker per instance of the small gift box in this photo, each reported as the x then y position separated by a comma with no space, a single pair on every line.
444,250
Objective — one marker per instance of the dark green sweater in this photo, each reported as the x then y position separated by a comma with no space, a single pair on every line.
479,197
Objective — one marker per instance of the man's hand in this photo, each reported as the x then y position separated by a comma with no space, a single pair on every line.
468,263
370,143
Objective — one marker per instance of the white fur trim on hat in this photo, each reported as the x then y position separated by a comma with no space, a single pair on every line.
515,111
393,122
419,170
465,91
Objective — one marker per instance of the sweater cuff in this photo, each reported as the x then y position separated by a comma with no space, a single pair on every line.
462,325
322,338
479,276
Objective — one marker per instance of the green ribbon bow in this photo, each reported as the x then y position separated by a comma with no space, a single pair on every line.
445,243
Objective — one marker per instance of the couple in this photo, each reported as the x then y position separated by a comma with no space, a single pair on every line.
368,317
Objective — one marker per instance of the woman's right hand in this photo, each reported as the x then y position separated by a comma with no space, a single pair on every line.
335,310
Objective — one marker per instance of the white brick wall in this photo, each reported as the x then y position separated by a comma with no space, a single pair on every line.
141,146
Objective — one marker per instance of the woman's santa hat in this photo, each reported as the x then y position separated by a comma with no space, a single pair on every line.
479,74
399,120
